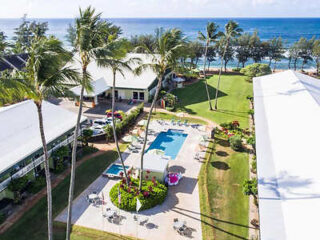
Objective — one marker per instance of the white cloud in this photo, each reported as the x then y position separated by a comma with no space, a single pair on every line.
163,8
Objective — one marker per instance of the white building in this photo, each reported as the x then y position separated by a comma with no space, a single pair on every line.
20,142
287,117
128,86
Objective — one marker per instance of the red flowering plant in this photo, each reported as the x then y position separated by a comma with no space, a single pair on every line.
146,194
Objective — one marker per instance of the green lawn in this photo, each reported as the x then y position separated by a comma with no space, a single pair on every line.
33,224
224,207
232,103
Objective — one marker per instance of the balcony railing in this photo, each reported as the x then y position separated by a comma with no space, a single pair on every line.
33,164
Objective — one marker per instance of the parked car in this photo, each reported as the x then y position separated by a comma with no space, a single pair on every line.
101,122
97,129
116,115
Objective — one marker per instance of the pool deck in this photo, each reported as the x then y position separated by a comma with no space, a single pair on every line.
182,201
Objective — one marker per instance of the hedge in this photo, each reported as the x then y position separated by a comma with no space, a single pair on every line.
153,193
126,123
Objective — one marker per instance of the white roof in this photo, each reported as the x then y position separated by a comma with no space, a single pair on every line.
129,80
153,162
19,129
98,86
287,118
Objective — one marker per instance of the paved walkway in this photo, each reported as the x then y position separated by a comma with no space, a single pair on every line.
182,201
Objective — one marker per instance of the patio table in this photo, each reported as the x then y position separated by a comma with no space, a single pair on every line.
178,224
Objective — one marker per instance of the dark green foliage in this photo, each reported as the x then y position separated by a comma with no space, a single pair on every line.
86,150
236,142
254,166
36,185
17,185
86,135
250,187
256,70
58,158
251,112
127,122
153,193
3,217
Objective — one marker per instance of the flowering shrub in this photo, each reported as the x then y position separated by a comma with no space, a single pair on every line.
153,193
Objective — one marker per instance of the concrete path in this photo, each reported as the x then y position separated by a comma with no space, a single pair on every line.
182,201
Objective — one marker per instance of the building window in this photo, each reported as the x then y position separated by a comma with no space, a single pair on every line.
116,94
141,96
135,95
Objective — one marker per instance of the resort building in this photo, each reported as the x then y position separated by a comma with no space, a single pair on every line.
128,86
287,117
20,142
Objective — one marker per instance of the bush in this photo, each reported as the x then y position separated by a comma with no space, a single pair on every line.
256,70
16,186
250,187
153,193
170,109
251,112
127,122
236,69
36,185
236,142
3,217
254,166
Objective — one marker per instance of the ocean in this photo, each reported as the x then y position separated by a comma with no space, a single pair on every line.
290,29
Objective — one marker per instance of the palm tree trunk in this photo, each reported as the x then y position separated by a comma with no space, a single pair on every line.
46,168
219,78
205,77
289,63
208,66
114,126
295,64
73,161
318,65
274,65
154,101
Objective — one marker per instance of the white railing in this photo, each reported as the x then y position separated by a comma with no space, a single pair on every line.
33,164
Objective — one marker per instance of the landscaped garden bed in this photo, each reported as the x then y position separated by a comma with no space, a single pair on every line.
152,194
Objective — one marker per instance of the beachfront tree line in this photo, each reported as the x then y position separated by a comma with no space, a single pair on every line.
244,47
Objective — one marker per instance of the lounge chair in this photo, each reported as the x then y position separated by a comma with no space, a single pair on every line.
132,149
185,123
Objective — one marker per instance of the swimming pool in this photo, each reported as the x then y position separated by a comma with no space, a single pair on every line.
115,170
170,142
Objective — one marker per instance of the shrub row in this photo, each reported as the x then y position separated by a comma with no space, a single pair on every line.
127,122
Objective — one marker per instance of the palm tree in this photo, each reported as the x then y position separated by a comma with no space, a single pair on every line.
45,75
92,36
116,60
209,37
164,59
232,30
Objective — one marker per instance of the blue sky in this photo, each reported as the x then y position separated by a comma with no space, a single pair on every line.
162,8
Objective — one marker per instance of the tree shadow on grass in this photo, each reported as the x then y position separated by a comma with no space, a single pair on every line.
181,212
220,165
238,114
222,142
222,153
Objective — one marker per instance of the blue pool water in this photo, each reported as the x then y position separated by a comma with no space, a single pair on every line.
170,142
116,169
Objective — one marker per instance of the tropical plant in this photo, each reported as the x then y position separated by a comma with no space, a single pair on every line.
256,70
235,142
26,32
3,43
211,55
118,62
145,39
250,187
256,48
17,185
276,51
243,48
305,50
168,44
92,36
209,37
44,76
316,54
293,55
232,30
